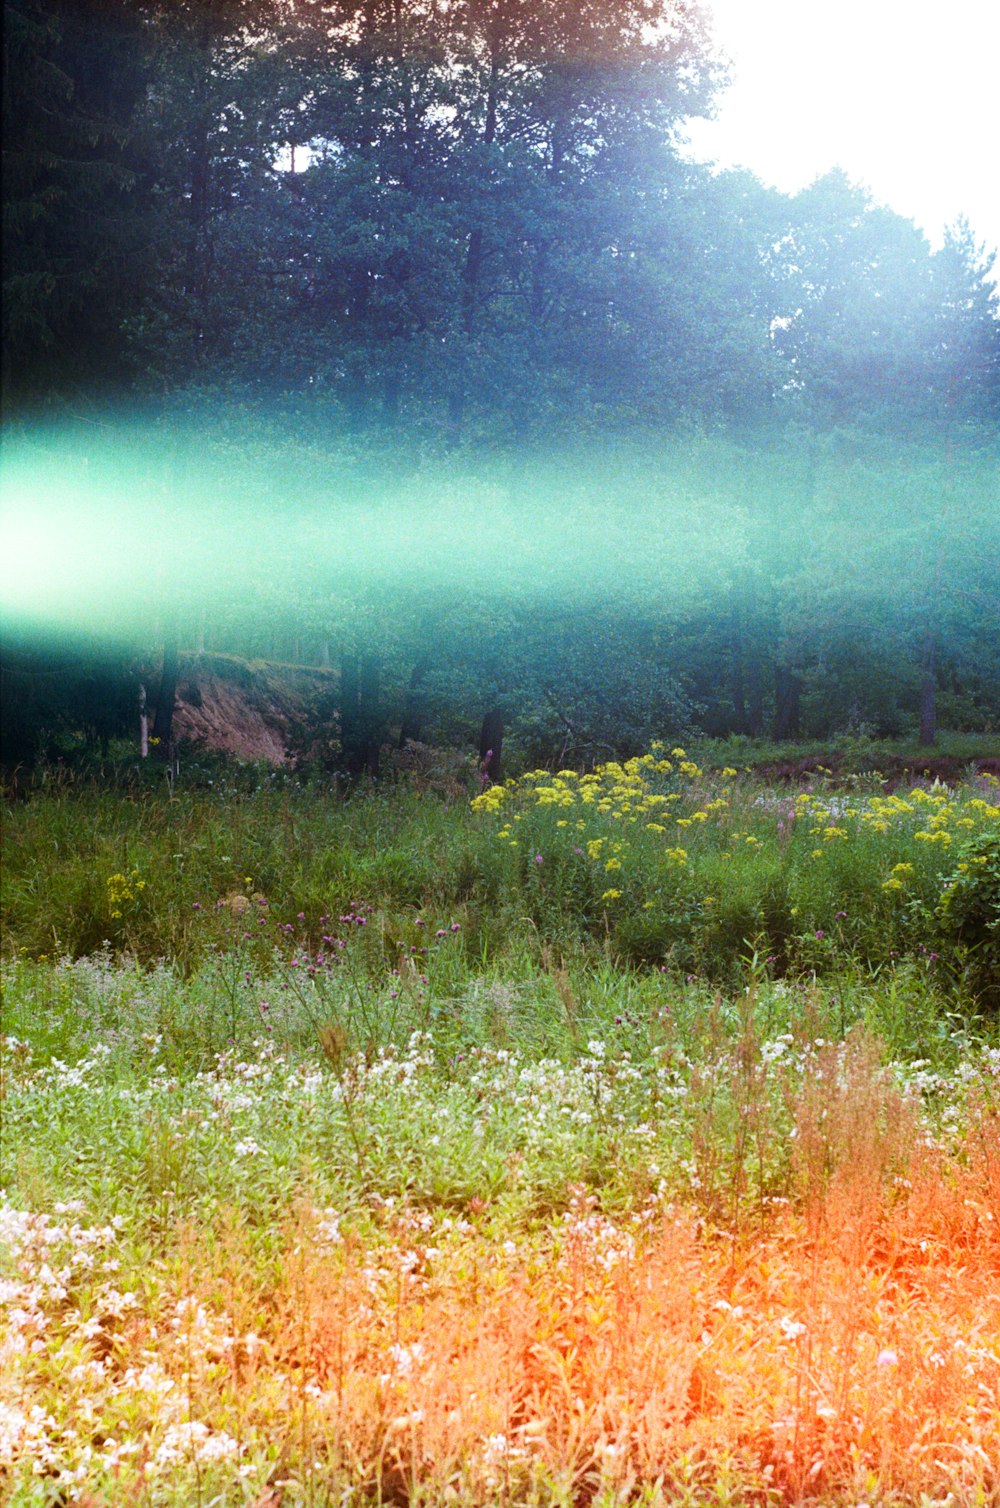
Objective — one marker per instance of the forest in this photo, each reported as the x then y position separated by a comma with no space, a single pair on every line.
495,389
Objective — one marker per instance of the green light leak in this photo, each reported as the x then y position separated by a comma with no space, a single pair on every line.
109,534
110,530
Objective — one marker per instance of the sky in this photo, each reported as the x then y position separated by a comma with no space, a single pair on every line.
902,94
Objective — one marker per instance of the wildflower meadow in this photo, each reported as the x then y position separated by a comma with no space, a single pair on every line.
500,754
613,1136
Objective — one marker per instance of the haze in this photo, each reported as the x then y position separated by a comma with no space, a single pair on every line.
903,96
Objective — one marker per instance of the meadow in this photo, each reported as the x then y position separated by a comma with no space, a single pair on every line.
617,1137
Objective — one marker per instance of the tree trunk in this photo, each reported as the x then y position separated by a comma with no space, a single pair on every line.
928,681
737,687
928,693
490,748
350,710
143,725
456,412
539,281
163,723
787,691
391,383
747,638
370,741
413,713
755,695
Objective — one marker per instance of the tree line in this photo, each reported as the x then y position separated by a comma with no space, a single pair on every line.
475,219
370,247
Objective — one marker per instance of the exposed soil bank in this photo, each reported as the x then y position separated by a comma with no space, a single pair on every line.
895,769
252,710
244,708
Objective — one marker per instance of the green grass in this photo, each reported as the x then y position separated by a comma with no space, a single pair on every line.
592,1076
727,867
159,931
502,1069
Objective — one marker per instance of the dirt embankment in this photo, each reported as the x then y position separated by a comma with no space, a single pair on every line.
895,769
253,709
242,707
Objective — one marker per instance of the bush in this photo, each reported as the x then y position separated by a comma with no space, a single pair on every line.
969,916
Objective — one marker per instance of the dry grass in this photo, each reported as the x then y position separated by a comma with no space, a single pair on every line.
857,1359
846,1350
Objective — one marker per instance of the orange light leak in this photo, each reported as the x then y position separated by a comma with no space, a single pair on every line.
851,1349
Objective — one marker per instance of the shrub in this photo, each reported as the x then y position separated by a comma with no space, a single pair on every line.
969,916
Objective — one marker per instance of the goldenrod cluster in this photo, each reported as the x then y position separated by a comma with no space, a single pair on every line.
620,793
123,888
643,794
934,817
613,789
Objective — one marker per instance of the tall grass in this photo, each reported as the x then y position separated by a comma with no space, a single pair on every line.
655,863
382,1148
726,1261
